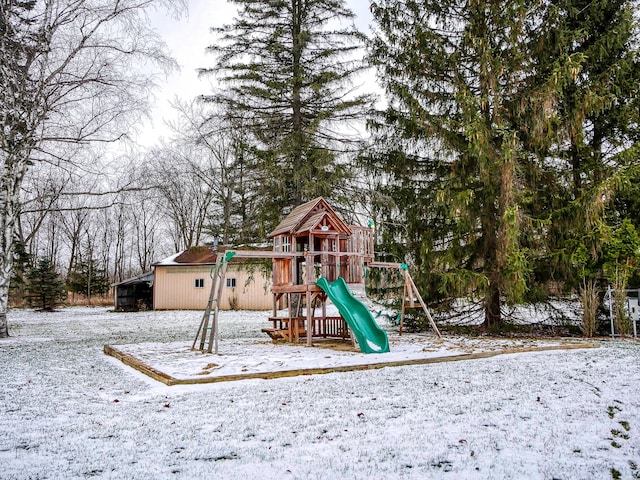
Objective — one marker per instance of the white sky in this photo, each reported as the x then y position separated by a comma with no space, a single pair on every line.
187,39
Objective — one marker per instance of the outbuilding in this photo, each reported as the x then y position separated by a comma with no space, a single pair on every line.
134,294
183,282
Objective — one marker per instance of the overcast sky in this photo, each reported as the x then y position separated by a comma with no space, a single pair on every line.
187,39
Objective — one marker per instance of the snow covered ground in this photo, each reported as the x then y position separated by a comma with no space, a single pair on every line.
69,411
244,351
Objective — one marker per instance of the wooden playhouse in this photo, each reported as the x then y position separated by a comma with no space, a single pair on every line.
321,244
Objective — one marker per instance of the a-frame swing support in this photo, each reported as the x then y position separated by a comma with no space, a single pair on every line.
410,293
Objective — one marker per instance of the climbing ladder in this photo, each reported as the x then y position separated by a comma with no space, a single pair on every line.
208,332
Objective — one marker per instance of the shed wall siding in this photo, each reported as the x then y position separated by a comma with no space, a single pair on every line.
174,289
254,296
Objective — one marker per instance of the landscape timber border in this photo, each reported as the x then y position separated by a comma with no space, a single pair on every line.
168,380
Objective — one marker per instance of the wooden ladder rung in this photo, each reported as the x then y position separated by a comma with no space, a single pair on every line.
210,317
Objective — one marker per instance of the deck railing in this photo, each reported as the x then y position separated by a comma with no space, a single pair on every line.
349,266
330,327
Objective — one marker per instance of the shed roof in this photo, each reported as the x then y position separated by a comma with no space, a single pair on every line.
306,216
146,277
197,255
205,255
201,255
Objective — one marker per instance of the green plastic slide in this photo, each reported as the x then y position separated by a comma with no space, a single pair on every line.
370,337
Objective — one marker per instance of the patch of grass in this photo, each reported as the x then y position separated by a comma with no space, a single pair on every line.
446,465
625,425
611,410
615,444
615,474
619,434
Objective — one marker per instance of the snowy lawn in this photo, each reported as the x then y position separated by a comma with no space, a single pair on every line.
69,411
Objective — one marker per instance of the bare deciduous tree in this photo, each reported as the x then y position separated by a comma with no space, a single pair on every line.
72,73
220,158
186,199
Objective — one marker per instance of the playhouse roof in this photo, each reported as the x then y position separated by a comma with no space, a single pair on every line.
306,216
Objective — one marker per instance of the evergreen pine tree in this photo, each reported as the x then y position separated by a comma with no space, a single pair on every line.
456,77
595,147
287,69
514,122
88,279
626,206
21,263
45,290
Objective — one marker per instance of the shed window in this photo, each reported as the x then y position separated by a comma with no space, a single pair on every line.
199,283
231,283
286,244
276,244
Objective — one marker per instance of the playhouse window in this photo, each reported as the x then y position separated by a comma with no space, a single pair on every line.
276,244
286,244
231,283
199,283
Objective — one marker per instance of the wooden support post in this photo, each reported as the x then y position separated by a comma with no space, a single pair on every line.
273,283
275,304
414,290
292,333
309,316
310,281
210,325
405,292
215,332
324,307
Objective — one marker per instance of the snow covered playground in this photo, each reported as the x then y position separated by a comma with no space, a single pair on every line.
70,411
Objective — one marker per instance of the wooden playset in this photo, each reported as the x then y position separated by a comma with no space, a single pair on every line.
316,257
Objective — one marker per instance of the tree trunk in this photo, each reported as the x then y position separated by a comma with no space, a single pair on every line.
576,170
11,176
6,256
297,196
490,225
4,326
492,308
6,260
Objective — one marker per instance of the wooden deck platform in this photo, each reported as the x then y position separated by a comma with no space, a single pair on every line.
293,329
